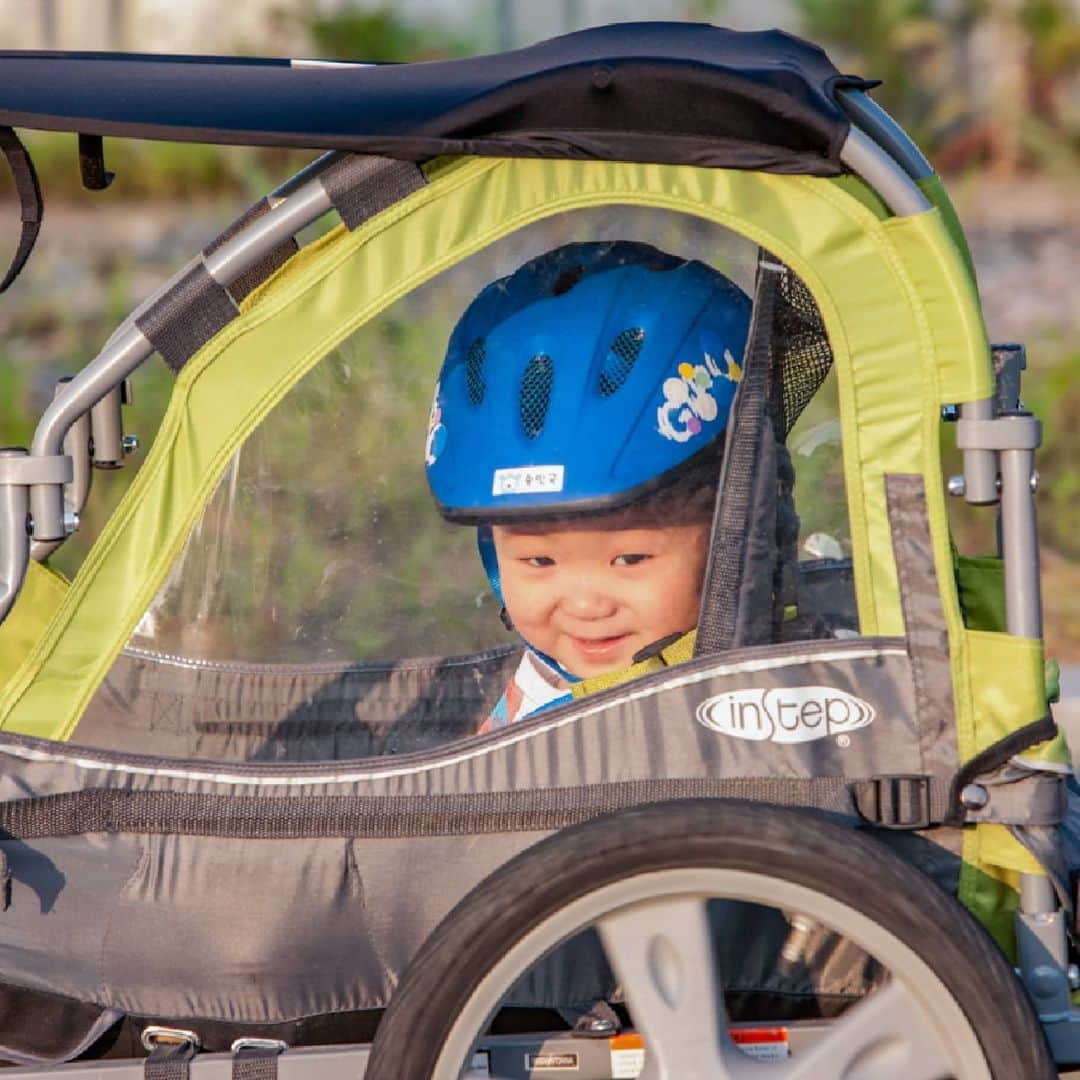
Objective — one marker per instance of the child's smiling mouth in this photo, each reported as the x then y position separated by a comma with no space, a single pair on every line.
600,648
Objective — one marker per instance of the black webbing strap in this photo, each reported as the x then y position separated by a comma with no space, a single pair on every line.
732,521
169,1061
256,1059
31,206
267,265
362,186
103,810
187,316
254,1065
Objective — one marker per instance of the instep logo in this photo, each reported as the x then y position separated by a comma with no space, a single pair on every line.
790,715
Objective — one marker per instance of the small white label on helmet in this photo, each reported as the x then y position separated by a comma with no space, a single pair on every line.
789,715
527,479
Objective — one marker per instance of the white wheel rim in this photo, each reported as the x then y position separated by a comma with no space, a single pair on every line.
654,928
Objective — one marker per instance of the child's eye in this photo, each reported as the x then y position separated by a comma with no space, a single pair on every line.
629,560
539,560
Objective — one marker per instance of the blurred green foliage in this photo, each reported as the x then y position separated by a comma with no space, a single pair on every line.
381,35
161,171
1052,392
1004,107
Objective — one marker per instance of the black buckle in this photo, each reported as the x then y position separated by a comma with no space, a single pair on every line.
894,802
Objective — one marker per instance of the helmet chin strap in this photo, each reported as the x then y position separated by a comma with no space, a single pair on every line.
485,543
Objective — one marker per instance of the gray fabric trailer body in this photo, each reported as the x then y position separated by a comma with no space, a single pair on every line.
261,893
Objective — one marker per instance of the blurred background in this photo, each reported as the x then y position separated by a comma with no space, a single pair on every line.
990,89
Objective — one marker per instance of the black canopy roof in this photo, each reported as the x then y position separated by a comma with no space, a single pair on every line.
670,92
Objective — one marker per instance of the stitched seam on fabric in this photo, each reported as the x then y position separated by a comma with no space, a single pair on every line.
353,866
903,576
105,997
963,708
224,777
924,653
290,671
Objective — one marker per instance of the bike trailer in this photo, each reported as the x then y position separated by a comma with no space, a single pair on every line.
241,783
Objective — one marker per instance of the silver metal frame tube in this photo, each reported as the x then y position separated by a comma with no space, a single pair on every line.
128,347
1020,545
14,542
112,365
865,158
280,193
980,466
305,205
77,447
871,118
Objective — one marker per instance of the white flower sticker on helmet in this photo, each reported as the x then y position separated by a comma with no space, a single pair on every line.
790,715
687,402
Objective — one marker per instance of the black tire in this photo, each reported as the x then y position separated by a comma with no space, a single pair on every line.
793,846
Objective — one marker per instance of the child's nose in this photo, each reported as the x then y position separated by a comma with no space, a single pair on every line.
588,602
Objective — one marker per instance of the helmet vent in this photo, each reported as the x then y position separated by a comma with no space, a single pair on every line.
536,394
620,359
475,384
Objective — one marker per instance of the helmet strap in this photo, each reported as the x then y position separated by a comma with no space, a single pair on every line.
485,543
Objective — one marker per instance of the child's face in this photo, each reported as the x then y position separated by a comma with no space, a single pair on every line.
592,597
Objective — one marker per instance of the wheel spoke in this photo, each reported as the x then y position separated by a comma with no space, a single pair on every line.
662,954
886,1036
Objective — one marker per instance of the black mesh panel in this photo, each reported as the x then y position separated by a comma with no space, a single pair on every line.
475,383
752,571
804,355
620,359
536,394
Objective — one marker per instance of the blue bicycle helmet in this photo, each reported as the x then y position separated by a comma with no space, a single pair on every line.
589,377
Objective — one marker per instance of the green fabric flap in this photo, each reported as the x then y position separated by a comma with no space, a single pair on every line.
38,601
981,580
1008,690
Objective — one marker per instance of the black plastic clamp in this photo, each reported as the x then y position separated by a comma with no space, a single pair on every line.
894,802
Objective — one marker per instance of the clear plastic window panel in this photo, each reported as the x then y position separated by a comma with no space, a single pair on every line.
323,608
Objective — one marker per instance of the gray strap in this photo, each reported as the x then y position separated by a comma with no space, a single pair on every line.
169,1061
1038,799
256,1059
924,622
360,186
103,810
269,264
187,316
31,206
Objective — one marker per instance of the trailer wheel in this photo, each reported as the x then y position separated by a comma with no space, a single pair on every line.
950,1004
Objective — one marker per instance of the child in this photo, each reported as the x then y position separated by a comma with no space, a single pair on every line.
577,421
